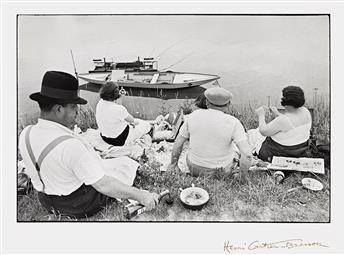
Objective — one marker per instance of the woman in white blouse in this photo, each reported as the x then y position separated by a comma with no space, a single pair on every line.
116,125
288,134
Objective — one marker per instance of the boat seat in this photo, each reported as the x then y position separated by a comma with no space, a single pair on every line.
117,75
154,78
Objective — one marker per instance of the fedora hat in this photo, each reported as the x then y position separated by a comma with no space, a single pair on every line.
218,96
60,87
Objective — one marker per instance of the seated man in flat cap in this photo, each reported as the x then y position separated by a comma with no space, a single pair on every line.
70,177
211,133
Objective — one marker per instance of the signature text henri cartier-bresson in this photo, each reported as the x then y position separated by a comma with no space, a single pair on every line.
257,244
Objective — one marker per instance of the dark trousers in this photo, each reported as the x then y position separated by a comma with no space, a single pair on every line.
270,148
83,202
118,141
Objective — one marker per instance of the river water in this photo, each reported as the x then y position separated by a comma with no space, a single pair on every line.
255,56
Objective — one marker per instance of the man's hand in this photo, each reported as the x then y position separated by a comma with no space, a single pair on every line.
173,167
243,177
261,110
245,160
149,200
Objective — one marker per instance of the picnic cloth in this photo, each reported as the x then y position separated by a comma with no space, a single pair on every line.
157,152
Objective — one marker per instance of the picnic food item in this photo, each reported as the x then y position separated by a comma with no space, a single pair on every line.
278,177
194,198
135,208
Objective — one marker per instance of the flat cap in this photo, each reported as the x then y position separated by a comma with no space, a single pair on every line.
218,96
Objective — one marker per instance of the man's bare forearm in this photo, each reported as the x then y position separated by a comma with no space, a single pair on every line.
245,163
246,156
177,149
114,188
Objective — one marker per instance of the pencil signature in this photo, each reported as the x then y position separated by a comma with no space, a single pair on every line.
284,244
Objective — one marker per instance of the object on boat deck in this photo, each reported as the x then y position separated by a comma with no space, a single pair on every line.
143,74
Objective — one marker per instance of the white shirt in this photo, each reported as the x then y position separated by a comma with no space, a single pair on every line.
67,166
110,118
211,133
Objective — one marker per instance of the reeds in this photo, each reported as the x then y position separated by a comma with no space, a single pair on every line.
86,118
245,112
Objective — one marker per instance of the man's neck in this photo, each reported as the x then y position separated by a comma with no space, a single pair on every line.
222,109
50,118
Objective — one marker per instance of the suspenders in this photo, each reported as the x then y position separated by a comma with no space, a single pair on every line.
44,153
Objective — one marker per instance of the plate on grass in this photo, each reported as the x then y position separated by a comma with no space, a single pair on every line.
312,184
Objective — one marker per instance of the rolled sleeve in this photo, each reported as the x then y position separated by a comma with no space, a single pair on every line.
239,134
82,162
123,113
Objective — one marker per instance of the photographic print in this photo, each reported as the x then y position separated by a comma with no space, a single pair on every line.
173,118
172,128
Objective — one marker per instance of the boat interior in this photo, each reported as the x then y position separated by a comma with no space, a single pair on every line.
151,77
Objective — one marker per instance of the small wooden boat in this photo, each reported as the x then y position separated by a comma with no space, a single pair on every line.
143,74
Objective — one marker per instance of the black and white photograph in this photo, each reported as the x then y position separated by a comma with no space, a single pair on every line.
174,118
188,123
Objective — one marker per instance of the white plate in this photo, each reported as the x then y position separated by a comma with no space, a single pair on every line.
312,184
194,196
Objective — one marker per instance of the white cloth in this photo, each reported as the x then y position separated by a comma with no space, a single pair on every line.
211,135
138,131
71,163
294,136
133,150
110,118
255,139
122,168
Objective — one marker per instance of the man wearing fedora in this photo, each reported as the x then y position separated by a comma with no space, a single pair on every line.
211,133
67,173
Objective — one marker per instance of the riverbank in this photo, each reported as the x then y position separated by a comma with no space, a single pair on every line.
259,200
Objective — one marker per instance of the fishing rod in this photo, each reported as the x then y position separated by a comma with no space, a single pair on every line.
75,69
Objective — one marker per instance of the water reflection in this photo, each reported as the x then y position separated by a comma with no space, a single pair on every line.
185,93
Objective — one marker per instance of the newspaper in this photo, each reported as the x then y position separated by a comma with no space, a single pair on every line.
315,165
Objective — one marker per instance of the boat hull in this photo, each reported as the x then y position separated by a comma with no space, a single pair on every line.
161,80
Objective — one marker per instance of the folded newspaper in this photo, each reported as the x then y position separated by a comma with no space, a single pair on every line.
315,165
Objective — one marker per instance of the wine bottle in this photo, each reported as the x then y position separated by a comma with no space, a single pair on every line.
136,209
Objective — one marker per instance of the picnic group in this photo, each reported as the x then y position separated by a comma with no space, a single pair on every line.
72,179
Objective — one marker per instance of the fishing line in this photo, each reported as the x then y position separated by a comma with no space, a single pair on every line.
178,61
166,49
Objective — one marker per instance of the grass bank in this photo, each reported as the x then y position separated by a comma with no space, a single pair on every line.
260,200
